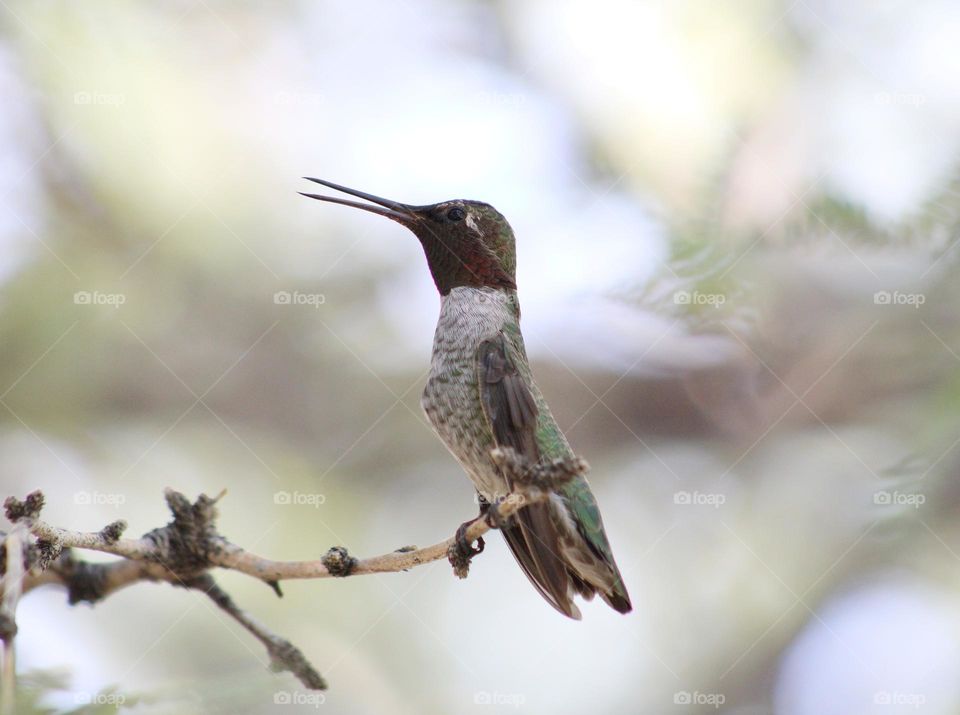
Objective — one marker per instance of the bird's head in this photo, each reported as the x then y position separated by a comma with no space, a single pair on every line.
467,243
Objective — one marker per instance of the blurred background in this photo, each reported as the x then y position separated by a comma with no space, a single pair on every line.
737,231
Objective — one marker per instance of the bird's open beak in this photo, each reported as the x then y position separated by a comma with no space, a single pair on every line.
404,213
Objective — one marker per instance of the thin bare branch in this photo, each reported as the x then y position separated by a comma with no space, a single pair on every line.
12,588
184,552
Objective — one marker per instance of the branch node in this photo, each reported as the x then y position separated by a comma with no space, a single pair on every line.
112,532
186,544
459,559
462,551
8,628
284,655
547,476
85,581
338,561
29,508
49,551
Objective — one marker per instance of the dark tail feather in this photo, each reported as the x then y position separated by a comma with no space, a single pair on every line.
619,602
616,595
534,541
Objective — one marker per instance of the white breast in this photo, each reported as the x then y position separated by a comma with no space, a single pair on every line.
468,316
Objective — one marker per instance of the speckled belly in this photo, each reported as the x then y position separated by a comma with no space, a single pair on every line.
452,405
451,399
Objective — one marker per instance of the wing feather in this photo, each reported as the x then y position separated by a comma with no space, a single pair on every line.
512,411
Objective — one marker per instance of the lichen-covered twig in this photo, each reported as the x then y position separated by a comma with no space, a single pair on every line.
283,654
184,552
13,553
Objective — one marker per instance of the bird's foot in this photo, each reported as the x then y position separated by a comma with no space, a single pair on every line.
462,551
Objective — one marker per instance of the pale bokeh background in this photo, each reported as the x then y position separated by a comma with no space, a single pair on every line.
737,240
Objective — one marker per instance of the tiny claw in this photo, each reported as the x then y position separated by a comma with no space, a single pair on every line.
466,547
462,550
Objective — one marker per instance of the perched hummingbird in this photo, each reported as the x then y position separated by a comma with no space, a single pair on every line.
481,395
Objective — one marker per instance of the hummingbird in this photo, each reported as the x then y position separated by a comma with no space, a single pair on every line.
480,396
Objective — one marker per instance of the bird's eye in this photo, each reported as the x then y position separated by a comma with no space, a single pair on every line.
456,214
